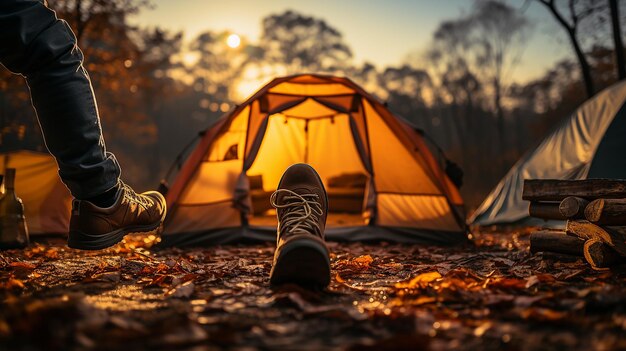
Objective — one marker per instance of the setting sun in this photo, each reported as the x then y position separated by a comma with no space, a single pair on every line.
233,41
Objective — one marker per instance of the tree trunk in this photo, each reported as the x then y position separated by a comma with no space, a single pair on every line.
79,20
497,101
620,62
584,65
580,55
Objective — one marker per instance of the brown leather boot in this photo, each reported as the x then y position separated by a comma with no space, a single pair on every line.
95,228
301,254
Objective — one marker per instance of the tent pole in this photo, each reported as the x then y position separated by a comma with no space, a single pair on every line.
306,141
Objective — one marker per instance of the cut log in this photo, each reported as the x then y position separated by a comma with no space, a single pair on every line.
555,241
607,211
573,207
557,190
615,237
600,255
545,210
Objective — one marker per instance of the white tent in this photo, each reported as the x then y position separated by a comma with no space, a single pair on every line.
591,143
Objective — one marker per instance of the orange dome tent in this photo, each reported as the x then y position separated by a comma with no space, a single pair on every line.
382,180
47,202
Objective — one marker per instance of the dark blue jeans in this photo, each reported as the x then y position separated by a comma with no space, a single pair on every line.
42,48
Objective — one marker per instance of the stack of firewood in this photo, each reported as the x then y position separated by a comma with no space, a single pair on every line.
595,211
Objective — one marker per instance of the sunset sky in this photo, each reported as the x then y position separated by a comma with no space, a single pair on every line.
381,32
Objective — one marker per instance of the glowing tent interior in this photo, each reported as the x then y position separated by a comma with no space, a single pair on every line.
382,180
47,202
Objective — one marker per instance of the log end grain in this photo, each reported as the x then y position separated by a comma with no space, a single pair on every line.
573,207
599,255
593,211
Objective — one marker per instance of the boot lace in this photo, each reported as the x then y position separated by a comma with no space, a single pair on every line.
301,212
133,196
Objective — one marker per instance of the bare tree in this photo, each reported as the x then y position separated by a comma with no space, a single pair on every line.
578,10
500,36
129,68
456,84
620,62
448,57
83,15
476,52
303,43
408,90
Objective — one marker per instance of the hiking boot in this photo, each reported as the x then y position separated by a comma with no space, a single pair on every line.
301,204
96,228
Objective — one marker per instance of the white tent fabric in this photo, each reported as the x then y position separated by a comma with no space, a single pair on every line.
573,151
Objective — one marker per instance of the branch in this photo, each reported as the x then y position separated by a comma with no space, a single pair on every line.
572,12
550,5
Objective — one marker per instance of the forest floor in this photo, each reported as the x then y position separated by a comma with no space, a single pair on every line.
492,294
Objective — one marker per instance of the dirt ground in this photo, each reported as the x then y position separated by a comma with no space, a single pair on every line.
490,295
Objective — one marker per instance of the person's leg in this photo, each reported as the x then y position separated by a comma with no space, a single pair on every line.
301,254
34,43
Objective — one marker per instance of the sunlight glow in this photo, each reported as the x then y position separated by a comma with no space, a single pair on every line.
190,58
233,41
254,77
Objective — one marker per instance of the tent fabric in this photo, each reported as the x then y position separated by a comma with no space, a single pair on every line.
47,201
588,144
339,129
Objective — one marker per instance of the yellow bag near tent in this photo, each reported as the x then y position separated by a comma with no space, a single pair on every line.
382,180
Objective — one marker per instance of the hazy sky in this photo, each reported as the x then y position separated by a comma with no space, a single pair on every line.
383,32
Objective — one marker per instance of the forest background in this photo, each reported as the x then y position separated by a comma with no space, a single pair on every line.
157,90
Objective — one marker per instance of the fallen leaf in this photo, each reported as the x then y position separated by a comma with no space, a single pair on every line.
422,300
162,280
420,280
363,261
390,266
507,283
539,278
52,254
527,301
13,283
543,314
20,264
498,299
182,291
108,277
481,329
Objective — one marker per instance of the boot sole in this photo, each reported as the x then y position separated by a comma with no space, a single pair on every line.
304,261
83,241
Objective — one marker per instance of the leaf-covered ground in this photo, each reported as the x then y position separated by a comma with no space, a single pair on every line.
491,295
